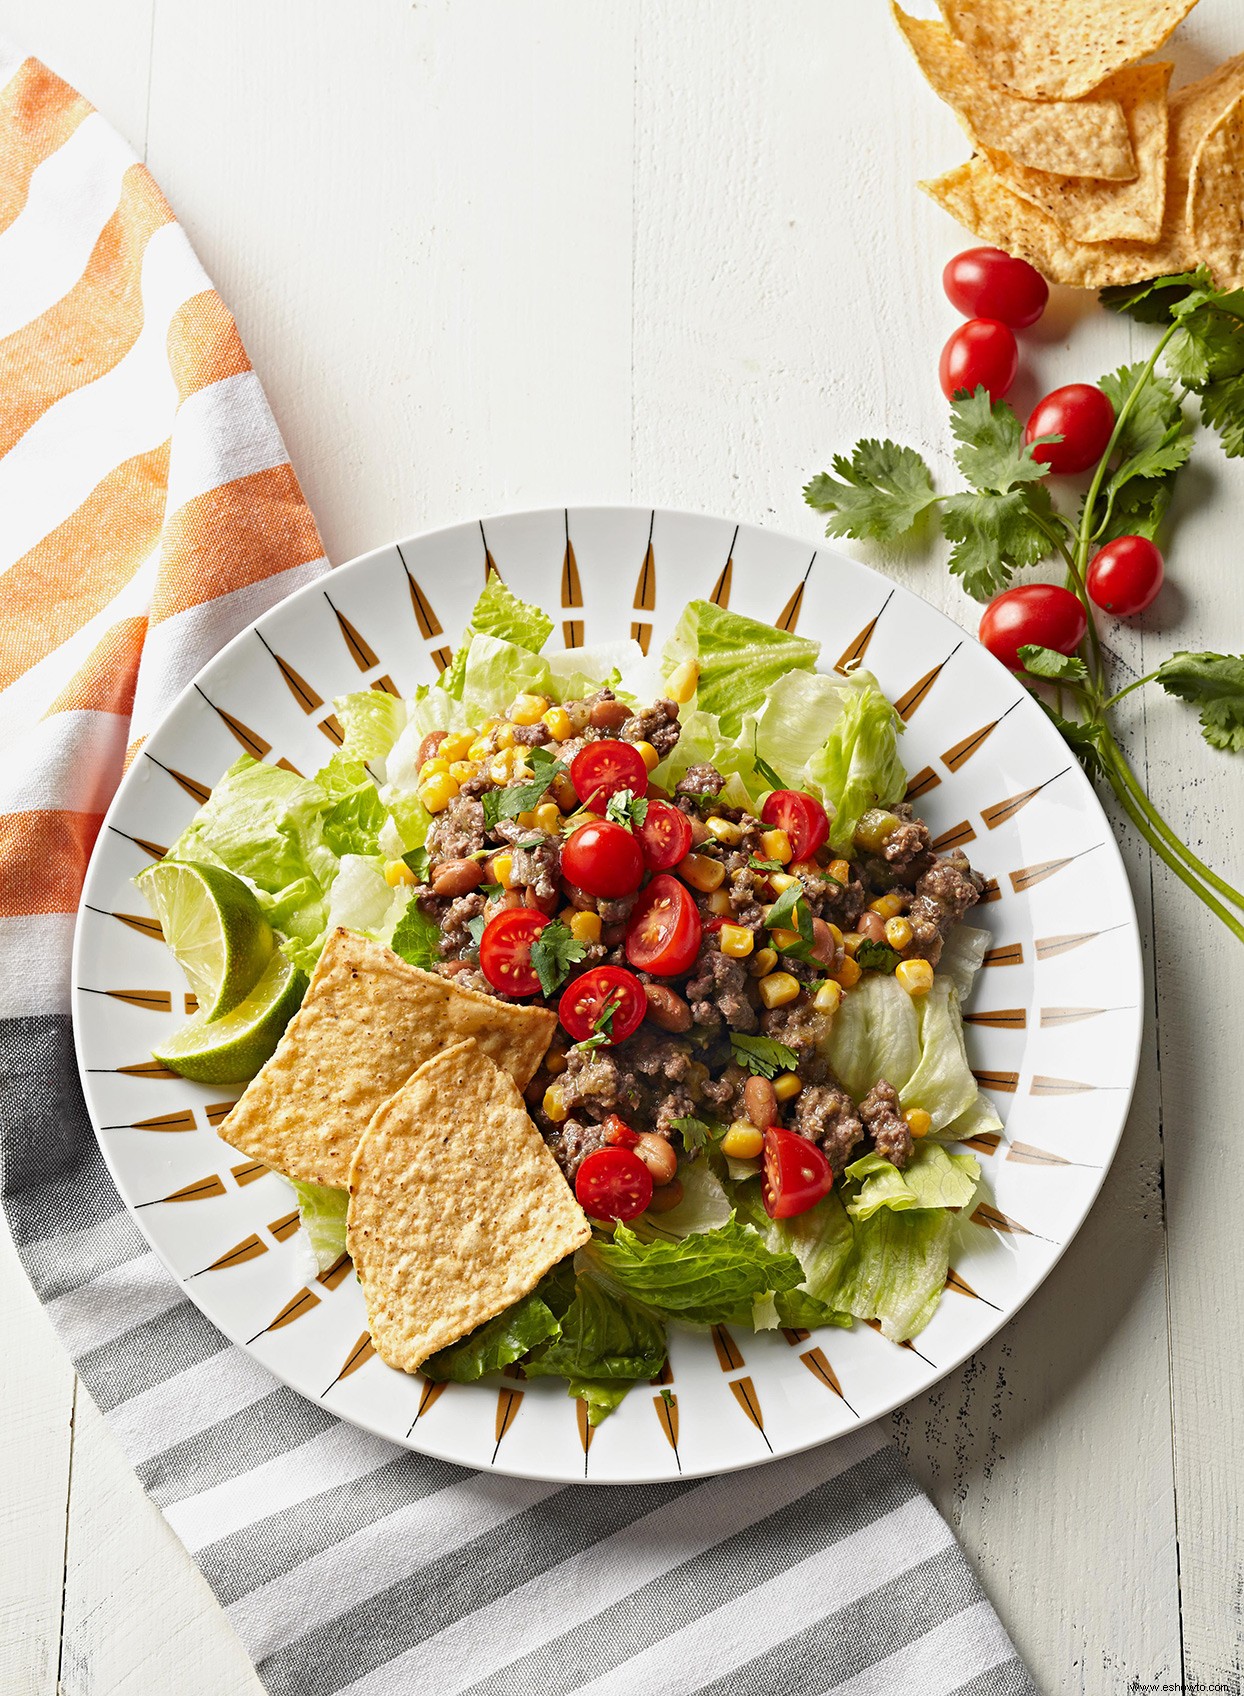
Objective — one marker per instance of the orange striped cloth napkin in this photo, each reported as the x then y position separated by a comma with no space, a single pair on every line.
148,509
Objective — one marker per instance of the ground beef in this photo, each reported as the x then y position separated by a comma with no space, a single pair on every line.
839,903
594,1084
884,1121
717,990
906,851
458,832
532,735
700,780
724,1093
614,912
801,1028
657,724
537,865
455,938
826,1115
571,1142
943,895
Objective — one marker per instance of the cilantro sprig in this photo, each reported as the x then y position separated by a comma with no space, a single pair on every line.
1004,520
627,809
518,798
791,912
553,953
762,1056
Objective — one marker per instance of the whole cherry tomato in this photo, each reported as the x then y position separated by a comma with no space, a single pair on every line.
980,352
606,768
1124,577
1082,415
505,950
1040,615
796,1174
603,858
663,935
606,1000
801,816
613,1183
985,282
664,836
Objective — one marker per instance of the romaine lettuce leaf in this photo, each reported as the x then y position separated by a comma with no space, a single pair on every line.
601,1399
603,1336
372,720
896,1269
740,659
821,1240
322,1214
360,898
931,1178
494,1344
858,766
706,1278
498,612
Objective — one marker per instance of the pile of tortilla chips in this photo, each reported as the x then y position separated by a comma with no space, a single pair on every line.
405,1086
1086,163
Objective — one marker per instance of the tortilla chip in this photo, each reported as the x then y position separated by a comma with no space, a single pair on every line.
1063,48
1215,207
982,202
457,1208
1091,210
368,1020
1088,138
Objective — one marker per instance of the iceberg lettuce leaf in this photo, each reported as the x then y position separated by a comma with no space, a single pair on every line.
740,659
931,1178
858,766
372,721
322,1215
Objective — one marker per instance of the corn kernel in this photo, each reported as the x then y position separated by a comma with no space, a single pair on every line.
875,828
463,770
782,881
848,974
828,998
775,845
567,915
499,768
431,767
839,870
898,933
916,976
719,903
702,873
683,682
725,830
786,1086
743,1141
763,962
888,906
501,870
919,1123
555,1103
555,1062
835,933
778,988
585,927
648,754
736,940
784,938
457,745
527,820
480,748
557,722
398,872
438,792
503,736
563,792
528,709
549,817
851,942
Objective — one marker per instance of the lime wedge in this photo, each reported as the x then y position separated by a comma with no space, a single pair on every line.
232,1048
214,926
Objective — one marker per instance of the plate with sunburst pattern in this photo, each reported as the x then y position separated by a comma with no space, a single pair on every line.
1053,1024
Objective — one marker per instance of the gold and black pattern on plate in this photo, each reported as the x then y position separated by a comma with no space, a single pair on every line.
788,618
852,656
645,599
198,792
571,590
719,594
153,850
250,741
912,699
309,700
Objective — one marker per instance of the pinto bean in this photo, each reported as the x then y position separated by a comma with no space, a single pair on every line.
667,1009
429,745
609,715
700,832
871,925
665,1197
761,1103
824,947
612,935
456,877
658,1156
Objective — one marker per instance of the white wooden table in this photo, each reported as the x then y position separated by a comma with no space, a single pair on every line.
491,253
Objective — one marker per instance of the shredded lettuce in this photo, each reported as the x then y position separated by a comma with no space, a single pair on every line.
322,1213
740,659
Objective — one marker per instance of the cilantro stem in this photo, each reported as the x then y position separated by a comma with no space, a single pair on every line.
1120,769
1116,698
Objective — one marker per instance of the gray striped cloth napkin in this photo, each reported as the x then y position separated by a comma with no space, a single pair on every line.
347,1565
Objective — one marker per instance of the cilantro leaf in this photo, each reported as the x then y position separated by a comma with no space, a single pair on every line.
884,490
417,938
475,928
1082,736
1154,443
876,956
553,953
1151,302
766,865
418,859
771,777
522,797
993,534
992,454
627,809
492,891
1138,508
791,912
1045,662
695,1133
1215,683
762,1056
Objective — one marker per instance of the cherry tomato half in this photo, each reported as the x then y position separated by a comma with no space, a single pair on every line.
985,282
505,950
603,858
1082,415
619,1133
664,836
980,352
1125,576
663,936
1042,615
606,768
613,1183
796,1174
801,816
589,997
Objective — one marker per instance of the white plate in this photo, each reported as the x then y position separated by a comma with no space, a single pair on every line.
1054,1025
